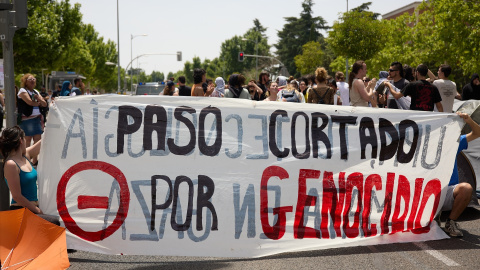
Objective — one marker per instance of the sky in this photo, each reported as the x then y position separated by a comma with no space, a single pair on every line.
198,27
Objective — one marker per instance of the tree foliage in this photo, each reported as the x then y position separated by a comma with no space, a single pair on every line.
441,32
310,59
57,40
366,7
357,35
297,32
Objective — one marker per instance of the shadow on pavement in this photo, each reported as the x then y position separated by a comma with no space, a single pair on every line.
470,241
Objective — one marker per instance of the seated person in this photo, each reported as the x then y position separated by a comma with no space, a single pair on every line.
459,194
20,175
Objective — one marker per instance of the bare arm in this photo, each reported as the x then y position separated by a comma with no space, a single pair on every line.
365,93
439,106
25,97
394,93
475,133
458,96
210,89
431,76
34,150
13,181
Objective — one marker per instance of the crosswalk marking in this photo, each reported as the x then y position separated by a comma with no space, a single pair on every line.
439,256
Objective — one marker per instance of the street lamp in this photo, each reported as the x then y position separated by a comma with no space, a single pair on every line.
346,61
256,53
118,45
131,57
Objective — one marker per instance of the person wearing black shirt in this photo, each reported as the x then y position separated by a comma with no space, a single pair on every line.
183,90
424,95
262,83
472,90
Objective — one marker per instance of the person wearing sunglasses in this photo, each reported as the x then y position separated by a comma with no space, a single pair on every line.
397,79
424,95
29,102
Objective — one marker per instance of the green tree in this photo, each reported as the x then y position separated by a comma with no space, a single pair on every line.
255,42
52,26
357,35
229,54
366,7
339,65
297,32
188,72
99,76
228,60
157,76
452,30
442,31
56,39
310,59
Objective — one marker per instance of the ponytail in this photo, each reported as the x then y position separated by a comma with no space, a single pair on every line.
355,68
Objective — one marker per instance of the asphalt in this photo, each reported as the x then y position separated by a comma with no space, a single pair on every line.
460,253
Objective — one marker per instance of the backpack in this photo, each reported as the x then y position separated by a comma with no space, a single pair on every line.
290,96
320,99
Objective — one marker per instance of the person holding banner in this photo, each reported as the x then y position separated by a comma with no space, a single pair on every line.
19,173
459,194
272,92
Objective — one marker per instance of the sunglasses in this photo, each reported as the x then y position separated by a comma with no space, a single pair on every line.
32,79
392,70
366,80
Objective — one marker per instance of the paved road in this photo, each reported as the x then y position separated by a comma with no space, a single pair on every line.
460,253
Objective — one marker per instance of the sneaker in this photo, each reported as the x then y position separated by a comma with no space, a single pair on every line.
453,229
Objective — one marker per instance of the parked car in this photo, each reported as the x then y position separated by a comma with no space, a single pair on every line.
149,88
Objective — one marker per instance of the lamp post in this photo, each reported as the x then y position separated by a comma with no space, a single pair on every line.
131,56
346,61
256,53
118,46
108,63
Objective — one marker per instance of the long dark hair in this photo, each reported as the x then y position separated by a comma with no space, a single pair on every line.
10,140
408,70
198,74
355,68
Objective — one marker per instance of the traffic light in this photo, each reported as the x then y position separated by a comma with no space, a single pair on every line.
240,57
179,56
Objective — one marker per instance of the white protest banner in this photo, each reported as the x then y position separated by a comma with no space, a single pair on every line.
237,178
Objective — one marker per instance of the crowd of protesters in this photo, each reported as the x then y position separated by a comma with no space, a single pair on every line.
398,87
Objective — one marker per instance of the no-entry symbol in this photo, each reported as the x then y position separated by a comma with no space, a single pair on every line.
93,201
